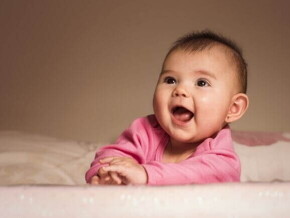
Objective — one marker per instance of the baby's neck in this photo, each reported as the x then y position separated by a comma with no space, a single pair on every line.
176,152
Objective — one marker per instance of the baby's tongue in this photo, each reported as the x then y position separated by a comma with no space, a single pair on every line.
182,114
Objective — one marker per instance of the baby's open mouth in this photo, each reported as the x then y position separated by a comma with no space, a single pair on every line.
182,114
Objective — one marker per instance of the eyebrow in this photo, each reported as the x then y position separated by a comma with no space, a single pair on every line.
207,73
201,72
165,71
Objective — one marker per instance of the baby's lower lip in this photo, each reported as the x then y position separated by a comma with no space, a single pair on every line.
181,122
183,117
182,114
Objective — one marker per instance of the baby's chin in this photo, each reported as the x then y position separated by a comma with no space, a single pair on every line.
182,137
186,140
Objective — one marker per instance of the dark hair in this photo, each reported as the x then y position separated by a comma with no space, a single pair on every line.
198,41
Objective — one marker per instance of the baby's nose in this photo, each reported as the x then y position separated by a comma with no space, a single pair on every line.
180,91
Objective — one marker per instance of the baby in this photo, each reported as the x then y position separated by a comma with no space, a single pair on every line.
201,89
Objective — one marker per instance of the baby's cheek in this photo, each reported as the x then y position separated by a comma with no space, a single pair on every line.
156,99
205,102
210,109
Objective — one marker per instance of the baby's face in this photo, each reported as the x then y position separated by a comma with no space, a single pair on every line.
194,93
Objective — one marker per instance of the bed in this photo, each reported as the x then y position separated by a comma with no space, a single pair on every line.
44,177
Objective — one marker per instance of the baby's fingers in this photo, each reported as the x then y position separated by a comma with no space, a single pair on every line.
95,180
111,160
115,178
102,173
106,159
115,168
104,177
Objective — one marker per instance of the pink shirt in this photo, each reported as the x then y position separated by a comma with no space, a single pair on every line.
213,161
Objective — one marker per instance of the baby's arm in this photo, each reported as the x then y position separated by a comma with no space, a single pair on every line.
206,168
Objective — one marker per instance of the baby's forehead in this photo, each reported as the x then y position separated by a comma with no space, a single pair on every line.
209,49
218,52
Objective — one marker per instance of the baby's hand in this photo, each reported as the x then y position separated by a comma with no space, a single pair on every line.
126,169
106,178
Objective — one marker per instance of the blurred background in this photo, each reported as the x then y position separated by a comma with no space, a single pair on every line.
83,70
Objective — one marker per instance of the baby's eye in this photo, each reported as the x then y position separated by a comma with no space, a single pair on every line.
169,80
202,83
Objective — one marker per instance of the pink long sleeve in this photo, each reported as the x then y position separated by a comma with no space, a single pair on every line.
213,161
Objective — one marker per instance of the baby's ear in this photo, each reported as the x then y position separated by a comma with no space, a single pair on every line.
238,107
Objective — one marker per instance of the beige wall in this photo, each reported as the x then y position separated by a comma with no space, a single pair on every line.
85,69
